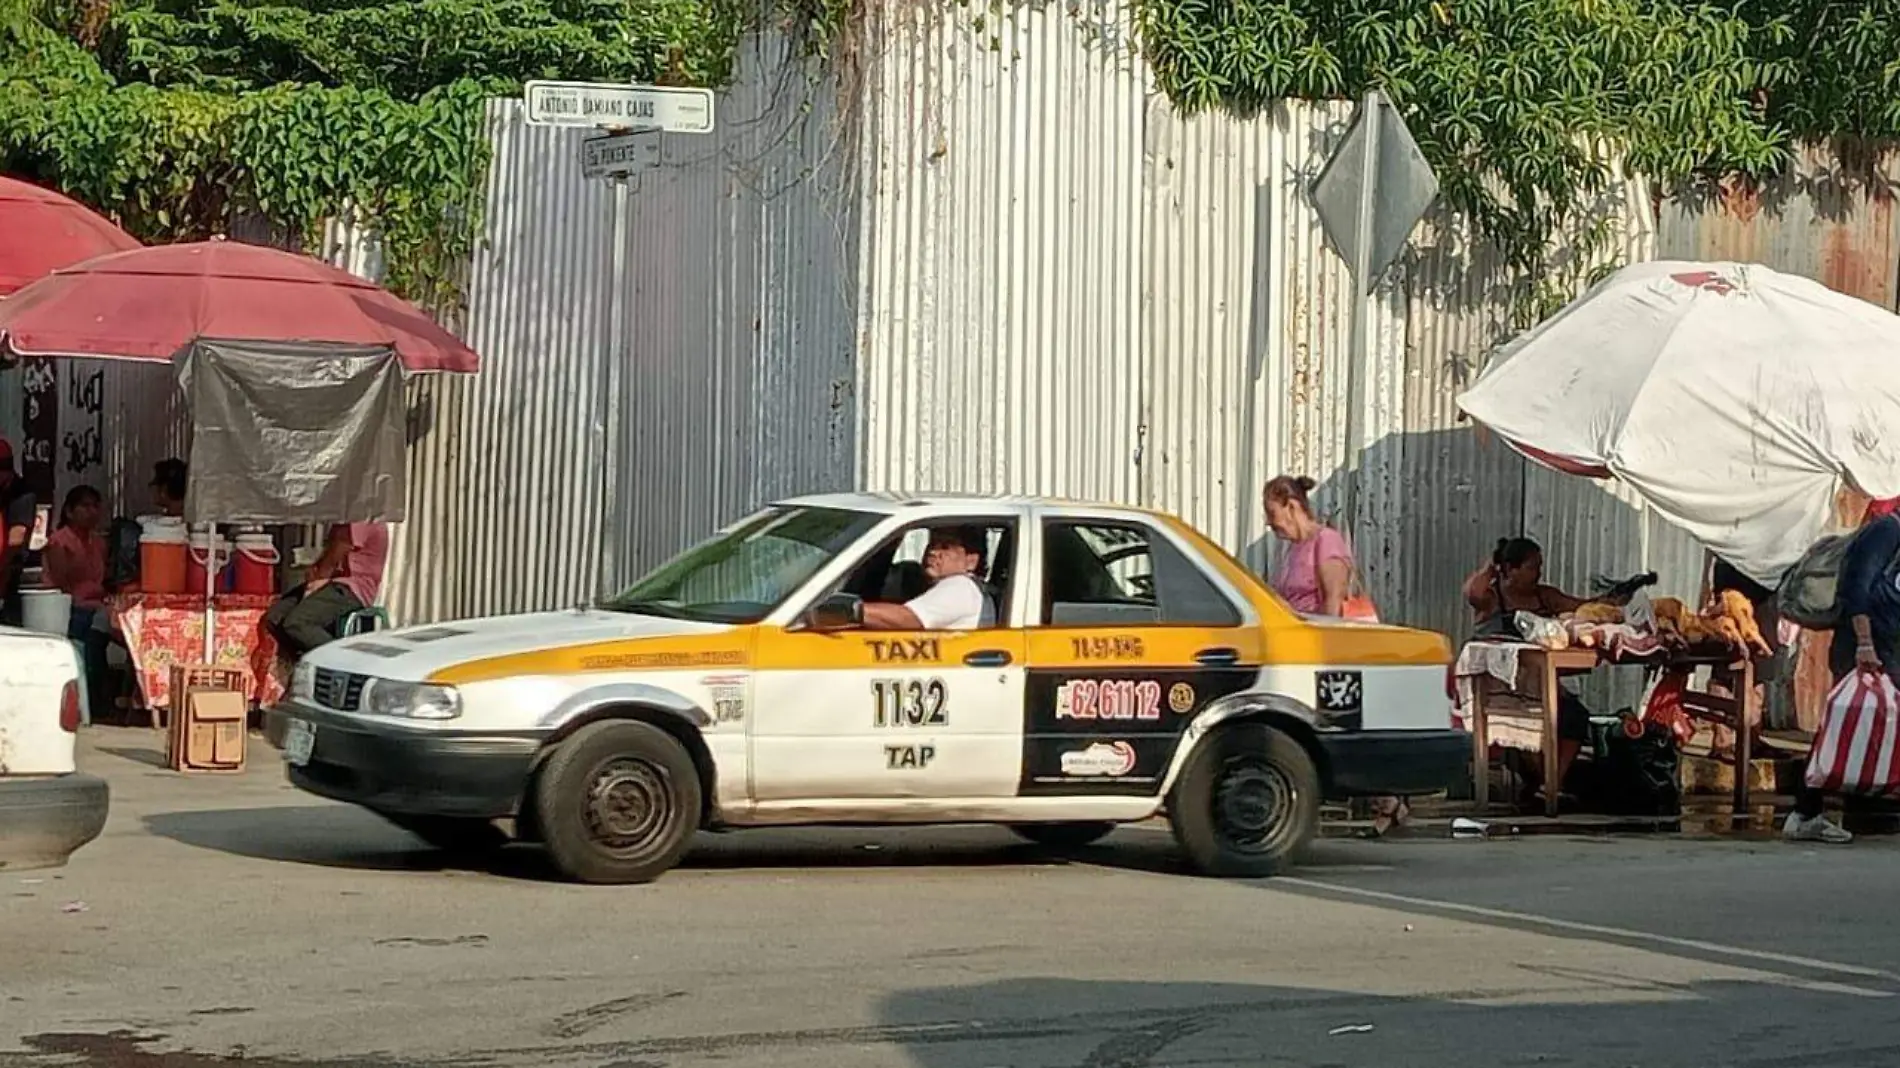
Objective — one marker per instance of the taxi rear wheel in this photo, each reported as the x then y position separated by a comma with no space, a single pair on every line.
1247,803
1073,835
617,803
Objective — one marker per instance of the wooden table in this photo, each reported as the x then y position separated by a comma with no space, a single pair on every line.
1550,665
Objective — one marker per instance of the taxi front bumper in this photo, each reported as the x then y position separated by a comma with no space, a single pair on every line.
399,769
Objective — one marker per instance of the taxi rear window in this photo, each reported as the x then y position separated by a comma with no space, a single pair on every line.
1119,574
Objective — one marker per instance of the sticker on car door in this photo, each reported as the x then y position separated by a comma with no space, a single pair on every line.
1112,731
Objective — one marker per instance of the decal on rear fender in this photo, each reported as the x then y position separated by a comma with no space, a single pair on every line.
1340,696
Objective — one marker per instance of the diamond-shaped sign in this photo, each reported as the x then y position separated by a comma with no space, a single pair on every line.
1403,187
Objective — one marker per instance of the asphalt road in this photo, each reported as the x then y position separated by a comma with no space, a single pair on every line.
229,918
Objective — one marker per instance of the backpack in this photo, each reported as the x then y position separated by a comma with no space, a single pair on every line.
122,554
1810,592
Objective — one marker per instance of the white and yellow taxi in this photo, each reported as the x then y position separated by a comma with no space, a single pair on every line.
1135,669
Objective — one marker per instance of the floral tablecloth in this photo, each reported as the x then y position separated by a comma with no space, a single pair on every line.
162,629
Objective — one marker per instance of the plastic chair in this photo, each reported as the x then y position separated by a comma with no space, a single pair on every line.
364,620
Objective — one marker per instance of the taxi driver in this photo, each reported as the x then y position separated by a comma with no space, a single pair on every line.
955,600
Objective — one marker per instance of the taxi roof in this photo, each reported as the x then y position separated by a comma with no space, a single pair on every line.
891,502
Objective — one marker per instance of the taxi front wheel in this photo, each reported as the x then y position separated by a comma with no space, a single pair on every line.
1247,803
617,803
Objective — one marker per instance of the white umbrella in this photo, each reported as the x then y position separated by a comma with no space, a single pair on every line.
1732,397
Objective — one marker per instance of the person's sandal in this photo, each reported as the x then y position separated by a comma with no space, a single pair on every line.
1386,824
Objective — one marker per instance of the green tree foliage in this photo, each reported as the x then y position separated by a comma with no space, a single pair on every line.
409,47
1520,104
1830,68
179,115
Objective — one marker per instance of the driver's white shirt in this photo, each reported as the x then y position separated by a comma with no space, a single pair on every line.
954,603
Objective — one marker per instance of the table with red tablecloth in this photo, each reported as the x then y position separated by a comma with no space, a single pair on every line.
162,629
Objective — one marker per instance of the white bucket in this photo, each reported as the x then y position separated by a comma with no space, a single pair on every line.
161,530
47,611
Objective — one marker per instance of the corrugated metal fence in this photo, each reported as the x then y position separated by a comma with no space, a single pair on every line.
1837,224
1072,289
630,403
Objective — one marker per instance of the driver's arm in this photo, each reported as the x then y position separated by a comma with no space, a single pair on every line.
882,616
336,553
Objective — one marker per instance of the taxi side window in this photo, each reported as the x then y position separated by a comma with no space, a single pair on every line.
1116,574
894,572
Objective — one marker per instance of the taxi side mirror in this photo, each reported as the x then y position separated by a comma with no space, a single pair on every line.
837,610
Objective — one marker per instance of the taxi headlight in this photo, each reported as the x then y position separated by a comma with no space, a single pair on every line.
303,681
411,700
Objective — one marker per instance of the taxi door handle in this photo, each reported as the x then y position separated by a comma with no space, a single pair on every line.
1222,657
987,658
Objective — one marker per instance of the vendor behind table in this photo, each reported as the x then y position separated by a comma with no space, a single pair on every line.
1512,582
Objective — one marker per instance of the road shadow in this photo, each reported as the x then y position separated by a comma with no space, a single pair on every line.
1555,1018
332,836
148,757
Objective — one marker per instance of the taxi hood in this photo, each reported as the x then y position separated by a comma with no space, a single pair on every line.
412,654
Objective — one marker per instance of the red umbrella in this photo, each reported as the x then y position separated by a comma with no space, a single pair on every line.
148,304
42,231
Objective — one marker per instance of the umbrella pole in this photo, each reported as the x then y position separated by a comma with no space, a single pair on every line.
211,585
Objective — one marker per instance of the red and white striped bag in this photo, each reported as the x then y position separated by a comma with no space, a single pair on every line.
1858,748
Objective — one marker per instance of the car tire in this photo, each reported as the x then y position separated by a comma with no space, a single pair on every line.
1247,804
1071,835
617,803
452,834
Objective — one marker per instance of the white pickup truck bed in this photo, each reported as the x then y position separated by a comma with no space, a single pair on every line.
47,808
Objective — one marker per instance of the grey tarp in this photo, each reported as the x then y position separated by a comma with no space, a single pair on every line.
293,432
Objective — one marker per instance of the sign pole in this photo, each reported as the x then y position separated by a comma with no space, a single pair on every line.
610,382
1362,287
626,123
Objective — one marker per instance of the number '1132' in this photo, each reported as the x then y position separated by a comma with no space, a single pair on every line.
909,703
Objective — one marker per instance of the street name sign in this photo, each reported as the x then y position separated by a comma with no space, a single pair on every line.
612,155
637,107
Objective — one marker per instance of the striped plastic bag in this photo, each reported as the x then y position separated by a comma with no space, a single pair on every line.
1858,748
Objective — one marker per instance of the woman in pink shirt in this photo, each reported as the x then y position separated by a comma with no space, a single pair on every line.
1317,569
1315,577
75,557
74,562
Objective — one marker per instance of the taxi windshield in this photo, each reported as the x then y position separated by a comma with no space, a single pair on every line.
742,573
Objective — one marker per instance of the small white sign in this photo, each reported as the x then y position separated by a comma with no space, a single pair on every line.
611,155
639,107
